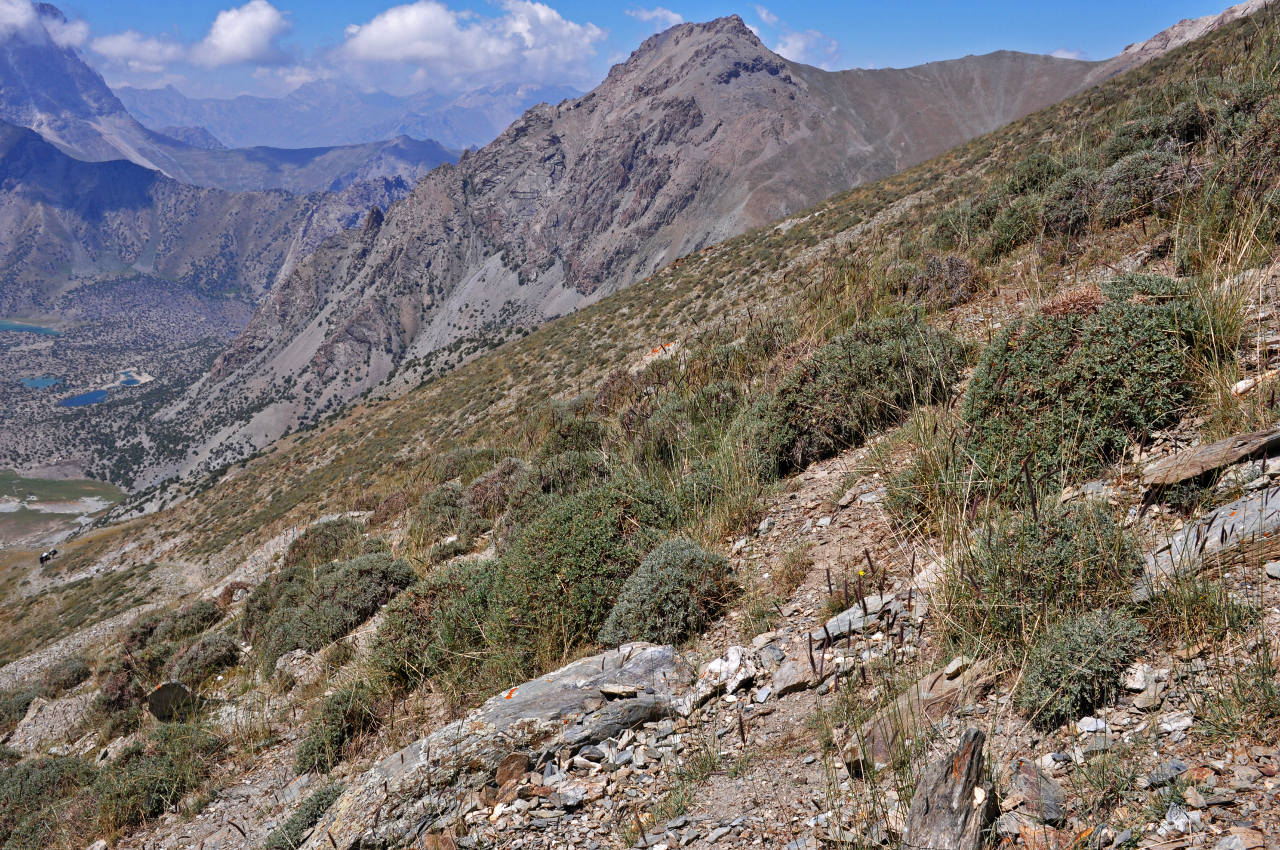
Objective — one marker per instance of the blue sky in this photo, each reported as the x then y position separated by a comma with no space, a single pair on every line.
223,47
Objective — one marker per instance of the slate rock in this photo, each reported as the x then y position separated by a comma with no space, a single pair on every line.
171,701
425,787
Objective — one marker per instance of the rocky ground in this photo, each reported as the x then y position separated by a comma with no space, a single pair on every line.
771,731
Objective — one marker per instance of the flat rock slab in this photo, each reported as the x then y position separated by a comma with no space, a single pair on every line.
1251,524
426,786
49,722
1192,463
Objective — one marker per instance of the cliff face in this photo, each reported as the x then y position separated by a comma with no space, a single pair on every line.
701,134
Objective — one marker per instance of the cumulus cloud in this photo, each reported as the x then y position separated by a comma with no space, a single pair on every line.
1064,53
660,16
810,47
529,42
137,52
22,18
16,16
244,34
67,33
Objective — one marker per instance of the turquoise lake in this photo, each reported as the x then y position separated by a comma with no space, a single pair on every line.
23,327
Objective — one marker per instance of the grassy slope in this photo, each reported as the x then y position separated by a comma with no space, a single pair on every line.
812,270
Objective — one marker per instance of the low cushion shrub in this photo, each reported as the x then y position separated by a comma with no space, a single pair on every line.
288,835
302,608
1076,666
561,575
677,591
1064,390
210,654
860,382
150,776
1025,572
343,715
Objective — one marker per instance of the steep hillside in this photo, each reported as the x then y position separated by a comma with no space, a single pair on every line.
48,88
701,134
333,113
959,486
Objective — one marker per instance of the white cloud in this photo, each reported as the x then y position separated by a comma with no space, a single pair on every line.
769,18
21,17
810,47
244,34
660,16
16,15
1064,53
529,42
137,52
67,33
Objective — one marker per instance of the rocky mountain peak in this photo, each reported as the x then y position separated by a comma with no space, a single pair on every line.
720,49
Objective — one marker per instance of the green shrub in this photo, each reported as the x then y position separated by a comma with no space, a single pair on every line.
63,675
461,464
325,541
187,621
1136,185
686,425
1076,666
14,703
1033,173
858,383
301,608
210,654
562,573
435,627
288,835
1016,225
1068,203
1024,573
568,472
1132,137
42,801
443,513
677,591
570,427
343,715
151,776
1064,390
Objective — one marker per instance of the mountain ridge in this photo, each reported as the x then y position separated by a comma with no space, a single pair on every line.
700,134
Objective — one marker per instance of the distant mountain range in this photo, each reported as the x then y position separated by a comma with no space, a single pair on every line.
48,88
331,113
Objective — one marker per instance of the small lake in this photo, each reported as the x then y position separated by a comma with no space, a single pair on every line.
23,327
41,383
84,399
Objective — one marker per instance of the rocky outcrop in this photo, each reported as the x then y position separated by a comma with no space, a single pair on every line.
429,785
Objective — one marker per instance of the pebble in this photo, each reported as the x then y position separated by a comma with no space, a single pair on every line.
1273,570
1166,773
